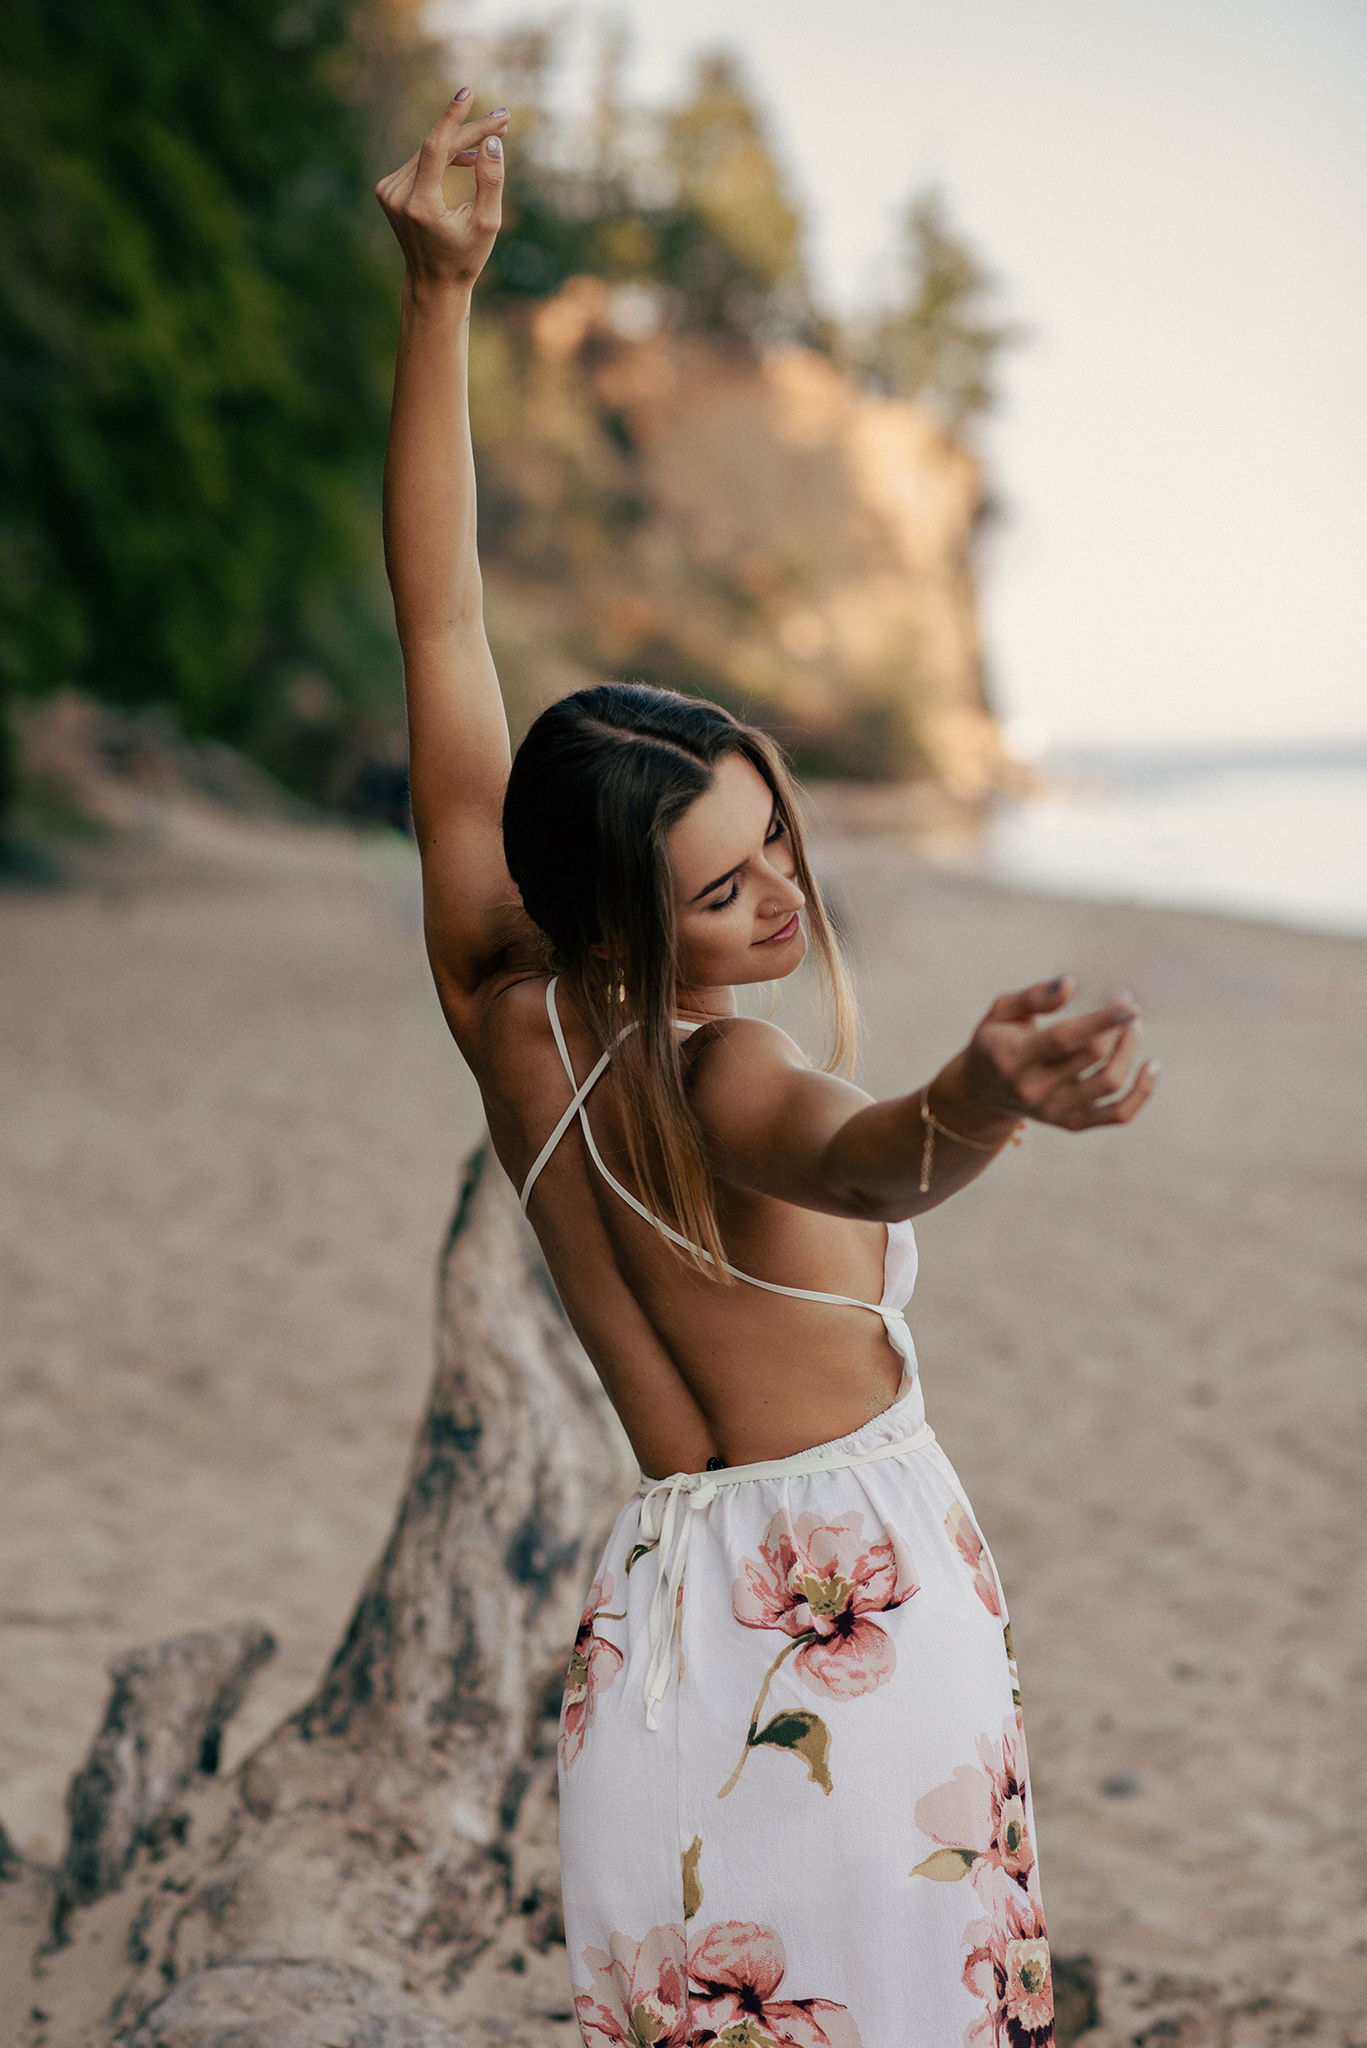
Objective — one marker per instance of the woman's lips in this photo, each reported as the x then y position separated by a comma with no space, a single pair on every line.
783,934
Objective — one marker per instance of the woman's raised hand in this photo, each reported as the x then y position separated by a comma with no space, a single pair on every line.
1078,1074
449,244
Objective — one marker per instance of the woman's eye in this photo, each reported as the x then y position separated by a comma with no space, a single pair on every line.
724,902
775,832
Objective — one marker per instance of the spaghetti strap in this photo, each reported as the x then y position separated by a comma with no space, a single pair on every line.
577,1100
894,1320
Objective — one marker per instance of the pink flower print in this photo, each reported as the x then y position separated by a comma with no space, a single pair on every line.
639,1997
969,1544
1009,1845
980,1815
1008,1968
819,1583
734,1970
594,1663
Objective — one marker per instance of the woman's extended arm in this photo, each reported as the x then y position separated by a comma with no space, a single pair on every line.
781,1129
458,735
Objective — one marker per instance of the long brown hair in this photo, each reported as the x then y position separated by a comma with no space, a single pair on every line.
596,787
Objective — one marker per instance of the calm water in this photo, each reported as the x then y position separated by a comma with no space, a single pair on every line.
1280,836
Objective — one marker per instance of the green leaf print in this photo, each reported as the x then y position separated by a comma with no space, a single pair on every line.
692,1883
640,1550
1011,1665
947,1866
806,1734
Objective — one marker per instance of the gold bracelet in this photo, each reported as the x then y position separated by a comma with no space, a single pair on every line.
933,1124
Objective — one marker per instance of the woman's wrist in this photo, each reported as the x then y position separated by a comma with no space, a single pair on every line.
426,293
952,1099
977,1126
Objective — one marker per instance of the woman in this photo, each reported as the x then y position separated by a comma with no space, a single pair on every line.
793,1785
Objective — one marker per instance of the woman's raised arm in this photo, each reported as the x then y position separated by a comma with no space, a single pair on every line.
458,734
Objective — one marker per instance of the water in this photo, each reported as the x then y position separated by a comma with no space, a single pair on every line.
1281,836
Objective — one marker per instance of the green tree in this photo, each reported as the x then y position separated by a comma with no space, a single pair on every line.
195,330
939,345
716,146
692,201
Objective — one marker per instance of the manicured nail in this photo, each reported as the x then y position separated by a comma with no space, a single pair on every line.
493,147
1153,1068
1056,986
463,94
494,113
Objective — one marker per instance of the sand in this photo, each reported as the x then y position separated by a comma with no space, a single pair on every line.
233,1124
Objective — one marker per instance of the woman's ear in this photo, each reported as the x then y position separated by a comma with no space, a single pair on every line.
598,950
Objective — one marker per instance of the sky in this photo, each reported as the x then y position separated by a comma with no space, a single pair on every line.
1174,197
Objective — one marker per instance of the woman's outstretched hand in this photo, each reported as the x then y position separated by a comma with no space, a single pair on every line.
1078,1074
449,244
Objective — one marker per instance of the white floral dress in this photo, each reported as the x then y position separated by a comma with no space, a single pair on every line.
794,1806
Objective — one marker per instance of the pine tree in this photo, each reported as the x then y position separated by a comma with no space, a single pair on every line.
194,338
939,345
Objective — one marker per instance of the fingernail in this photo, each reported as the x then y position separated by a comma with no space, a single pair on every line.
1056,986
493,147
494,113
1153,1068
463,94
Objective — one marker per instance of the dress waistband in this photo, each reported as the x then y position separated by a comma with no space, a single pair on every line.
669,1505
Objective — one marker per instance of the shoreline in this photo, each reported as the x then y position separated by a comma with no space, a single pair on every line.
222,1276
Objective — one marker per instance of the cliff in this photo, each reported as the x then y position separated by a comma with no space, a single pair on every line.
676,508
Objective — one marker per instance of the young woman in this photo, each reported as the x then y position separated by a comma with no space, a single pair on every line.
794,1796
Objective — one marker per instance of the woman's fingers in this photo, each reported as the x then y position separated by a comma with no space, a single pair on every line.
487,216
1121,1108
1110,1077
1036,1001
1111,1094
473,138
455,139
1077,1034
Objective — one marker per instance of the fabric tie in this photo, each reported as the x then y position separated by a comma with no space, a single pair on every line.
663,1524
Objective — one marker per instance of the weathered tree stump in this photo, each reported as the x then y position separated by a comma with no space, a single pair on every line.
291,2005
394,1840
162,1728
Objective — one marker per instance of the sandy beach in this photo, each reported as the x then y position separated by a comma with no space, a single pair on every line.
233,1126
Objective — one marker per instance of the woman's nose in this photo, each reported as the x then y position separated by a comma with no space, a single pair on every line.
782,895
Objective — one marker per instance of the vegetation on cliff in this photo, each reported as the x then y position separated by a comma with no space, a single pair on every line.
197,314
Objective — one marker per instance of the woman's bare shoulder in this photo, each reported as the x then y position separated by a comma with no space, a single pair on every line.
734,1063
740,1044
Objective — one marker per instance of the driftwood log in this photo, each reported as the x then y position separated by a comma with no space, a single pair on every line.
162,1729
382,1872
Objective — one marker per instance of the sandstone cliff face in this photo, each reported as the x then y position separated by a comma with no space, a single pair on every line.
661,506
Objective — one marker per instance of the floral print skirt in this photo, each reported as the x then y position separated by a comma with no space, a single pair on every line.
826,1836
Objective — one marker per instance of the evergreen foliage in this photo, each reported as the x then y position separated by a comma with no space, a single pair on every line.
939,345
692,203
195,332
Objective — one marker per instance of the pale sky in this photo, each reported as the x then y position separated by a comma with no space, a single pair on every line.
1174,195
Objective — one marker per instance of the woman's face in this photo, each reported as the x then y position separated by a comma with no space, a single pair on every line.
736,903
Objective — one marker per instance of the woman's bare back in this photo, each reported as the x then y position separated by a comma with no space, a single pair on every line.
696,1369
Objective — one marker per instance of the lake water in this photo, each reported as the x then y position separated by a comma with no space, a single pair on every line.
1280,836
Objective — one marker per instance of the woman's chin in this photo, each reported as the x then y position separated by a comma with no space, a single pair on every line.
776,963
